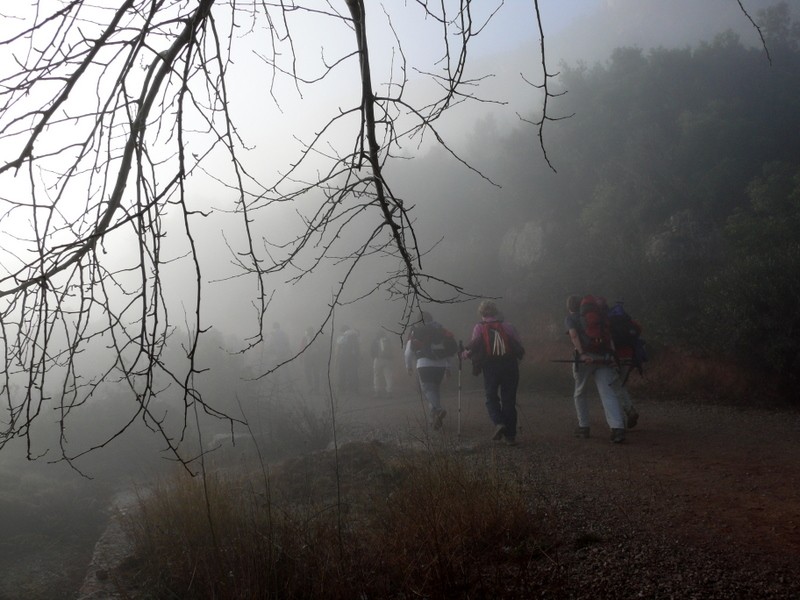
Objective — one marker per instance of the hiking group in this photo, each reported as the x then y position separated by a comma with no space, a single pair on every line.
607,347
606,342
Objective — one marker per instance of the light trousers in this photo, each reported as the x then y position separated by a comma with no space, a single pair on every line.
605,378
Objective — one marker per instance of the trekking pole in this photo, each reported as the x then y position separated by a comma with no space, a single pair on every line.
460,350
575,361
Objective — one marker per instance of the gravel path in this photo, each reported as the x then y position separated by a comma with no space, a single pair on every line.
699,502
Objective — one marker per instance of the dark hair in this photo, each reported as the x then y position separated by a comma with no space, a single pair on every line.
574,303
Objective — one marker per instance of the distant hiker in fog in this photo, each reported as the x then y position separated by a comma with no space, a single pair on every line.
428,349
589,331
383,354
315,358
278,345
495,350
348,353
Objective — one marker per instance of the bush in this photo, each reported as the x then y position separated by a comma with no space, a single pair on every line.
374,522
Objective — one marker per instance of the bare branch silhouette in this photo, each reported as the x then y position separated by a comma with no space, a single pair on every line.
112,121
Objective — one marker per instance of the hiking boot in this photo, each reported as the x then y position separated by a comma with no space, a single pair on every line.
498,433
510,441
631,418
582,432
437,421
617,436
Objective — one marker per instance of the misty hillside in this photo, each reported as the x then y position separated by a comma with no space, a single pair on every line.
675,186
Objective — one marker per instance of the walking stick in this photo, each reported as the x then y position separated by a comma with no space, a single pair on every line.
460,350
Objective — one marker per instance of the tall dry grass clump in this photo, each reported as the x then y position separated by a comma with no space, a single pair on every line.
680,375
377,522
449,526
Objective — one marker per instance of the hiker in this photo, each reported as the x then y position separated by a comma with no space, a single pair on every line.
625,401
630,354
314,358
428,349
588,329
348,353
495,349
278,345
383,354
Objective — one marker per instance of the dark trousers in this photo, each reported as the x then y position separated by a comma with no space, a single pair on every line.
500,381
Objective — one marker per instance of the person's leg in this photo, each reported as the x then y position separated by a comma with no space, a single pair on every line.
377,376
625,400
581,373
355,381
622,391
388,375
491,384
341,375
430,379
508,397
606,380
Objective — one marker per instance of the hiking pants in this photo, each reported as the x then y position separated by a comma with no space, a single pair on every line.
382,375
605,379
430,380
500,381
623,394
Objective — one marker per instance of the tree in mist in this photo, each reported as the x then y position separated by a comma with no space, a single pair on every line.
752,304
125,141
114,119
661,151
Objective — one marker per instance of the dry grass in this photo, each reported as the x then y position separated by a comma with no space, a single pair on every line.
378,522
676,375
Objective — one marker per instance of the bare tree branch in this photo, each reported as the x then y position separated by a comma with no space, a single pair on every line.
111,119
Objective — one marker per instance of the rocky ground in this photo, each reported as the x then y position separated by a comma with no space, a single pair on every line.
700,502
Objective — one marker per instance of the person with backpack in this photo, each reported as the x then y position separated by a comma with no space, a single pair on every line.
630,355
278,345
495,350
589,330
382,365
429,348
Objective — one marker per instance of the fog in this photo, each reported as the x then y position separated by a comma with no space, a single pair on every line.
485,204
472,129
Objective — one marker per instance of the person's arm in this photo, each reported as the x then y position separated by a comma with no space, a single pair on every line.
575,338
476,338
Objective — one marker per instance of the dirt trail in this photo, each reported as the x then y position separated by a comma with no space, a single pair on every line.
711,476
699,502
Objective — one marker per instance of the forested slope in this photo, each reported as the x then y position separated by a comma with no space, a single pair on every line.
676,188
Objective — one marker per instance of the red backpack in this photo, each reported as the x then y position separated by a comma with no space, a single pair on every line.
596,324
497,343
